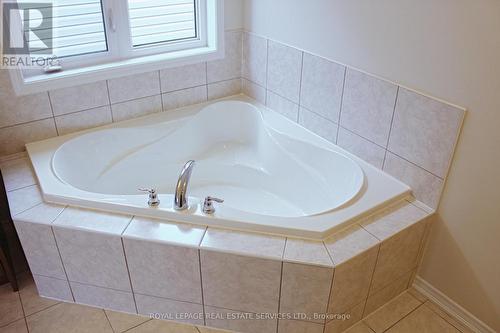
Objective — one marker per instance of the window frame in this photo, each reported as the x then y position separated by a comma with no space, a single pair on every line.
123,59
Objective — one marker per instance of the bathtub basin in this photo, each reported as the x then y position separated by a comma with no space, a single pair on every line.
273,175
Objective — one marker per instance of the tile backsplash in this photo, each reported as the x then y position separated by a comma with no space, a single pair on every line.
408,135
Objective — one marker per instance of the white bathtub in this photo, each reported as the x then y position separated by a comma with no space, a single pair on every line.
274,175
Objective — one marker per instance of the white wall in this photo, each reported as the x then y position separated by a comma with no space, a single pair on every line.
233,14
449,49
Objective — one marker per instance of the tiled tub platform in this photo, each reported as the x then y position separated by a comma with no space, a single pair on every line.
219,278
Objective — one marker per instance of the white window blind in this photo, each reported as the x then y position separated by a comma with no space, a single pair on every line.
161,21
75,27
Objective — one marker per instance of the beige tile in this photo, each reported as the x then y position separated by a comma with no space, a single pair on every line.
253,90
40,249
351,281
379,298
183,77
368,106
181,98
167,309
254,63
229,67
136,108
244,243
284,69
43,213
204,329
224,89
16,137
345,320
21,109
30,299
296,326
244,322
164,232
283,106
394,219
169,271
322,85
121,321
18,326
359,328
424,131
440,312
93,258
160,326
305,289
307,252
83,120
361,147
79,98
10,305
65,318
17,173
24,199
423,320
240,283
56,289
397,256
103,298
348,243
392,312
318,125
93,220
134,86
426,187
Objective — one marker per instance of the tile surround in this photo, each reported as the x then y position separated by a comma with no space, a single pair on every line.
83,120
422,130
57,289
368,106
284,67
254,59
169,309
318,125
136,108
248,283
322,86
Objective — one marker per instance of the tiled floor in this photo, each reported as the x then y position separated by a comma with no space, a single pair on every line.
25,311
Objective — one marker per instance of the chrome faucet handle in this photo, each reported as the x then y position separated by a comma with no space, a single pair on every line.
153,201
208,206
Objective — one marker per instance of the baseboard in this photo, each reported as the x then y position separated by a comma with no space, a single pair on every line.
451,307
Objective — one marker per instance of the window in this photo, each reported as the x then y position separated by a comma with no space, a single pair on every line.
113,36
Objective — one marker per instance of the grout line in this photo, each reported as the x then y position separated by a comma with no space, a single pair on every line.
131,328
201,287
25,123
53,115
300,84
329,298
279,294
390,128
109,101
161,92
128,274
415,165
22,188
341,104
49,307
109,322
402,318
60,258
371,280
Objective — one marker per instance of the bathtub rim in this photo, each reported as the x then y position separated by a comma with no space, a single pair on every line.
324,224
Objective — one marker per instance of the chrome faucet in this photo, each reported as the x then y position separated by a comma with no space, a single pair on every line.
180,199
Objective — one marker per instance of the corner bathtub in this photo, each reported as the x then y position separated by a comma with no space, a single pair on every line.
273,175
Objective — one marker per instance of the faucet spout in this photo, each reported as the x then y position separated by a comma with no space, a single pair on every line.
180,199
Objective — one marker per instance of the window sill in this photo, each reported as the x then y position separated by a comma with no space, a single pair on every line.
74,77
